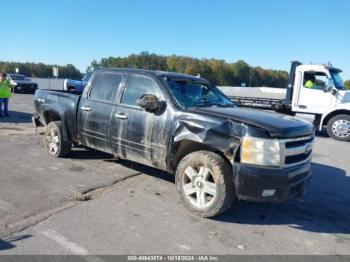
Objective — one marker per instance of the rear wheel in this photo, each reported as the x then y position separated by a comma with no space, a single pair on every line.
338,127
204,182
57,142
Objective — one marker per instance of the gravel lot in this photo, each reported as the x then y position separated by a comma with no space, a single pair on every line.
142,214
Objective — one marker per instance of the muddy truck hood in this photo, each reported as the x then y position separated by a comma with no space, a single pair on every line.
277,125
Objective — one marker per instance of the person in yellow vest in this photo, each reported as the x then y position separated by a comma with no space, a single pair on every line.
5,94
311,82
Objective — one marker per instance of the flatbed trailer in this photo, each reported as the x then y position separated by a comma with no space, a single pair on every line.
261,103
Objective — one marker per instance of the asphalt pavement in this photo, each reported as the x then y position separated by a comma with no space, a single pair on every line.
139,211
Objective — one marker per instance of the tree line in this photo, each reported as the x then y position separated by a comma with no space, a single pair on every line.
40,70
217,71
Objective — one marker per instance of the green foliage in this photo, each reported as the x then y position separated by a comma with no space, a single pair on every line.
40,70
217,71
347,84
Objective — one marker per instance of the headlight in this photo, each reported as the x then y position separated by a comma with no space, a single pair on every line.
260,151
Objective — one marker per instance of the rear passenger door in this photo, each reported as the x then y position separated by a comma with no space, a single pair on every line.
95,111
136,134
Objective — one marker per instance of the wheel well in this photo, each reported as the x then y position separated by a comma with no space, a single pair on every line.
334,113
187,146
51,116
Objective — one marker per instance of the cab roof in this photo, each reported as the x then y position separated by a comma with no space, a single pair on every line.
320,67
158,73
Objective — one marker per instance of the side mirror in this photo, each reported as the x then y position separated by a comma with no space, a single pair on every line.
329,86
150,103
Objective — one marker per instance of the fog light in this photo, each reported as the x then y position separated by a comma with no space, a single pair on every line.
268,192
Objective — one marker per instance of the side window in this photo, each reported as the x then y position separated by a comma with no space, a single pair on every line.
105,86
314,80
137,86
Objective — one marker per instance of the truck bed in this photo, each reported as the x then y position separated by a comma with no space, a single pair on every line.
63,103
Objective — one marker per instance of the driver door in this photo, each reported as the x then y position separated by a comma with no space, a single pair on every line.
138,135
315,100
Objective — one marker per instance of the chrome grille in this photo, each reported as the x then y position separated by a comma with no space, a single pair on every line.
296,151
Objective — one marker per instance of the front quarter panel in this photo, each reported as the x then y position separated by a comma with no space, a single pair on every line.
218,134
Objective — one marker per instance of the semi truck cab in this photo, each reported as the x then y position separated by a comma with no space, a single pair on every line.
326,98
319,98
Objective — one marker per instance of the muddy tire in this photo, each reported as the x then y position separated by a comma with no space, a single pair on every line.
204,182
56,140
338,127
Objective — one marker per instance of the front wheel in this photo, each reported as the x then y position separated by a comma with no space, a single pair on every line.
205,184
338,127
56,140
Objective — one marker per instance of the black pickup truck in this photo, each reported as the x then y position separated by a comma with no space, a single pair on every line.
187,127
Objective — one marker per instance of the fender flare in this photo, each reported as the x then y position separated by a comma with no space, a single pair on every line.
59,112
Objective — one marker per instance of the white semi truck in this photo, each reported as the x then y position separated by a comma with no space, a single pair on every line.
327,99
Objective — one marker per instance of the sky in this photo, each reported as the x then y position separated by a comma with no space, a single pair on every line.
267,33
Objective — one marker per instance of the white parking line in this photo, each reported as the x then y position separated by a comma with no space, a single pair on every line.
65,243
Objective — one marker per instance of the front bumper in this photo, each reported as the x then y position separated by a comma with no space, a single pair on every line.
251,181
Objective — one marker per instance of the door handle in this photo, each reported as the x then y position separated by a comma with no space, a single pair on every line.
86,108
121,116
